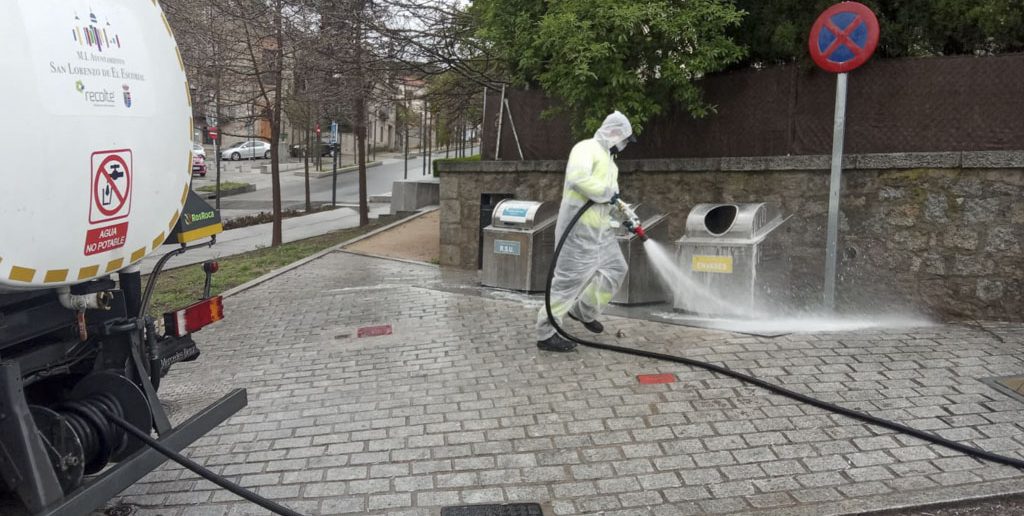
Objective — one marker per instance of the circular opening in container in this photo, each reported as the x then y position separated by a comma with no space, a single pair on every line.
720,219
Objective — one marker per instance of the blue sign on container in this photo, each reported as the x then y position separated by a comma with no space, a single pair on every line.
509,247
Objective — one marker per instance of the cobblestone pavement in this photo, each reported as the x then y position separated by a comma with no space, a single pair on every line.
459,407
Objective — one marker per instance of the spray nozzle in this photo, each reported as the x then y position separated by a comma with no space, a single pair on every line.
632,221
639,230
635,228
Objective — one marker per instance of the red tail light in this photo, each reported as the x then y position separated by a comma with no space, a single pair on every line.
195,317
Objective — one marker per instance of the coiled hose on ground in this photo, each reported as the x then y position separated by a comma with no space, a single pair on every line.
782,391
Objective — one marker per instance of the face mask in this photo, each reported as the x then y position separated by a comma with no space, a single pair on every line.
619,147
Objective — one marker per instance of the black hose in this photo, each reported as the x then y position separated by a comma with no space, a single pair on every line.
269,505
782,391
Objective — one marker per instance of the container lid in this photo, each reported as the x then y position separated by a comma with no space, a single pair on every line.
513,213
732,223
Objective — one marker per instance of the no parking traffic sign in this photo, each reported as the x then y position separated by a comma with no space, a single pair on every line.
844,37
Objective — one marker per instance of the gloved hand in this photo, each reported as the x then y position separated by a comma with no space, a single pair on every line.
615,199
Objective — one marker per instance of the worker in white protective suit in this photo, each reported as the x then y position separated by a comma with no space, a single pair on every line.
591,267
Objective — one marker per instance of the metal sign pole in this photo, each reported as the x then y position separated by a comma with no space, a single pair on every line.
216,152
334,175
834,191
406,126
335,151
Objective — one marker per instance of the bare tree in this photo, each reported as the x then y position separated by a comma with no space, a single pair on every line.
254,61
354,61
239,55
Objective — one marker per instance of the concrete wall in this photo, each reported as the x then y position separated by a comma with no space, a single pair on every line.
942,232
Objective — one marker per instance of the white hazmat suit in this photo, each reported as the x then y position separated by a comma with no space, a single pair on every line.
591,267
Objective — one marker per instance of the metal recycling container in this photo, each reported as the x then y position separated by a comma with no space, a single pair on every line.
642,284
734,257
518,245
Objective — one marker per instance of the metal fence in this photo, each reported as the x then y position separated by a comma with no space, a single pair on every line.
959,103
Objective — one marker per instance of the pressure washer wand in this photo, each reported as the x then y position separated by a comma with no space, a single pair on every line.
631,220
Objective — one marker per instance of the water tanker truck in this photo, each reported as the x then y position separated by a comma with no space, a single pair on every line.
96,137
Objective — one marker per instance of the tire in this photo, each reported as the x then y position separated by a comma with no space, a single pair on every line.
266,155
235,156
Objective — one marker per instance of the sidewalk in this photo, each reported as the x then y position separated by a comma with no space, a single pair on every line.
455,405
251,238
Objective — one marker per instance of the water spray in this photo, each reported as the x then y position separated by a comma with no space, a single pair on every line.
632,222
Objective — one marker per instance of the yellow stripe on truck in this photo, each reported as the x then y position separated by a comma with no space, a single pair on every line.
88,272
55,276
191,236
23,274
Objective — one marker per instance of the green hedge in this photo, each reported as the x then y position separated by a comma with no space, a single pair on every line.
475,157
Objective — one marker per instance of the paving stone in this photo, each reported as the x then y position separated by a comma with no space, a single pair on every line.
417,483
527,493
864,489
574,489
770,500
659,481
869,474
343,505
745,471
723,505
389,501
437,498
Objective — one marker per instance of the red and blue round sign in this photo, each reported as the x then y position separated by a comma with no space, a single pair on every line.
844,37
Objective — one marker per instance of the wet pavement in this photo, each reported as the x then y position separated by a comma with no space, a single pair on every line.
457,406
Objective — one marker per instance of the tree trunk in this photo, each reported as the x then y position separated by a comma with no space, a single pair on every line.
309,205
360,128
275,127
360,112
319,143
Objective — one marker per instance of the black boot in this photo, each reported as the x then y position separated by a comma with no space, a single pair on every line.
556,343
592,326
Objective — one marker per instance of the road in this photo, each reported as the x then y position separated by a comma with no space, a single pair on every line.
378,182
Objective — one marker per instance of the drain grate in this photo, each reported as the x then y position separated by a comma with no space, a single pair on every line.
1012,386
512,509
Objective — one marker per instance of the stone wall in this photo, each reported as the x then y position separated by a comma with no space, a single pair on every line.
939,232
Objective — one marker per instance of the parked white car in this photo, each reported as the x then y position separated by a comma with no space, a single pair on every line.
252,149
198,150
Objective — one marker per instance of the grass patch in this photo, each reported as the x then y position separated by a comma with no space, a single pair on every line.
181,287
264,217
475,157
224,185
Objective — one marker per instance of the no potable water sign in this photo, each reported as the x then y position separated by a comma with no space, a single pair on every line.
110,200
111,185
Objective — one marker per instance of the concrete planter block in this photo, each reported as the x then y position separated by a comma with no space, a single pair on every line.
413,194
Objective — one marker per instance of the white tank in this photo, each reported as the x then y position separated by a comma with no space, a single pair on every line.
95,138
